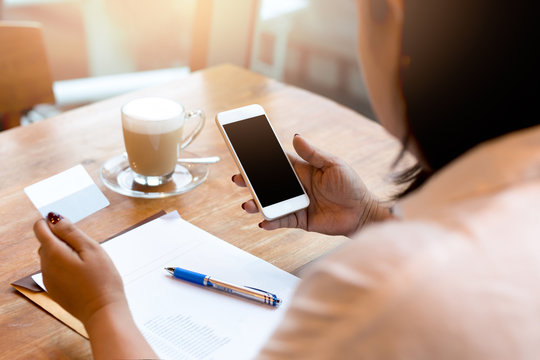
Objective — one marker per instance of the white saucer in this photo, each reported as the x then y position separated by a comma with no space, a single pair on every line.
117,176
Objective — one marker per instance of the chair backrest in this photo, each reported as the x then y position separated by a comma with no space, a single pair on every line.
25,77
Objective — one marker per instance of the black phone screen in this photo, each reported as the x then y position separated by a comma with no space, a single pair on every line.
264,161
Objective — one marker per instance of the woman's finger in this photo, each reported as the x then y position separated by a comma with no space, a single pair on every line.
69,233
250,207
238,179
289,221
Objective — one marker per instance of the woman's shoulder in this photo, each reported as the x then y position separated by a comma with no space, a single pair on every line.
404,285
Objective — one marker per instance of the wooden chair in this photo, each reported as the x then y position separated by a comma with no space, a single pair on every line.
25,78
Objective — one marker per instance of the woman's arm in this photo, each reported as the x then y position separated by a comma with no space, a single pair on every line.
114,335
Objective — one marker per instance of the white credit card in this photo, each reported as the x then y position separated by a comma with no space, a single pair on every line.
71,193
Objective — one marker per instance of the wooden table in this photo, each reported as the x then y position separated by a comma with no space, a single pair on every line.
92,134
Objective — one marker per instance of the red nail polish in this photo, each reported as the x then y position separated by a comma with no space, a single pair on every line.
260,225
232,179
54,218
244,206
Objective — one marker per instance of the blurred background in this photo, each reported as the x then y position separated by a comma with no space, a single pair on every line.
100,48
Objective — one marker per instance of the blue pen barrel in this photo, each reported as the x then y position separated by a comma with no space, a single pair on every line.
245,291
190,276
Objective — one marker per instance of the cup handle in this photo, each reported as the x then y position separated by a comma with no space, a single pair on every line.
190,115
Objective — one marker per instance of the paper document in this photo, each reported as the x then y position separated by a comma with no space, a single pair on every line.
181,320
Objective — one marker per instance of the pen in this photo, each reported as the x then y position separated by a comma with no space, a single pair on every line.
245,291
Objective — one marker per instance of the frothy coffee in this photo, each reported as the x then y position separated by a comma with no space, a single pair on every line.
152,135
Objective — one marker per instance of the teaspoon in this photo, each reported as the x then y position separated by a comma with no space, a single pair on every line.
201,160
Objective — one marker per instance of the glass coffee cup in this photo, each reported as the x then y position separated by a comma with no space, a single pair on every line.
153,136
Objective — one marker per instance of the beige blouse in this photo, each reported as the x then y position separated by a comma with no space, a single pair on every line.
457,278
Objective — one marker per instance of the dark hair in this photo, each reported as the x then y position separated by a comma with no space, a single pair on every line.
472,76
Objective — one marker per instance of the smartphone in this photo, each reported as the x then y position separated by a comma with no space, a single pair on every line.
262,161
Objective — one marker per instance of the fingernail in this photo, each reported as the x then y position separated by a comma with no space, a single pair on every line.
54,217
296,134
232,179
244,206
260,225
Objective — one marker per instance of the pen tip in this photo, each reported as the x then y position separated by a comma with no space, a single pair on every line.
170,269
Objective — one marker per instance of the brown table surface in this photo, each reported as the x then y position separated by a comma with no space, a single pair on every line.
92,134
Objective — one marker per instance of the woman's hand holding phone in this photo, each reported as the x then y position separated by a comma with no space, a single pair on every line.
340,203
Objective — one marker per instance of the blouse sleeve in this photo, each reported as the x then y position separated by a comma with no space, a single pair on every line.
338,303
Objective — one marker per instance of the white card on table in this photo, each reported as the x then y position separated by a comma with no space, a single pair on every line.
71,193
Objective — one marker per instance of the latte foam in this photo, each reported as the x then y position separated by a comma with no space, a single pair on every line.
152,115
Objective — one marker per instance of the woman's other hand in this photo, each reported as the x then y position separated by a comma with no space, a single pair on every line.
80,276
340,203
77,272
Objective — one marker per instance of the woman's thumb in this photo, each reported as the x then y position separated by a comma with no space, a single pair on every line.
66,231
309,153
